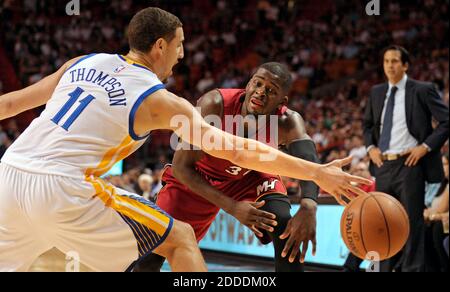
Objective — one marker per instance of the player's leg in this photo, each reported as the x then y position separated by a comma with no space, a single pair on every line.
258,186
352,264
181,249
279,205
180,255
150,263
20,241
153,262
18,247
115,228
185,206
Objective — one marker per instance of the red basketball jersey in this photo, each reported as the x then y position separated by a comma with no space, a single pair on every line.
223,169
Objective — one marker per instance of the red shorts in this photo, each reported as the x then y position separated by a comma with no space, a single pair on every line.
184,205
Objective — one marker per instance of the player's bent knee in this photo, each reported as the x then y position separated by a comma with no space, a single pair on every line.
182,233
181,236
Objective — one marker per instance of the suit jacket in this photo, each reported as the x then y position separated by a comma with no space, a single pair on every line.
422,103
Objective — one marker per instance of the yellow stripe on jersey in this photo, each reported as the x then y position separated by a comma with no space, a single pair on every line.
111,157
122,154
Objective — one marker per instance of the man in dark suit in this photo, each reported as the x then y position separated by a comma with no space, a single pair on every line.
404,148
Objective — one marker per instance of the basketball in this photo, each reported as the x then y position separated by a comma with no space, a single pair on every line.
375,226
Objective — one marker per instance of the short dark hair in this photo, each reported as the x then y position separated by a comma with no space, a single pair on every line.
404,53
282,71
150,24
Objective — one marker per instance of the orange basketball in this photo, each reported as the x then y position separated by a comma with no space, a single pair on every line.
375,223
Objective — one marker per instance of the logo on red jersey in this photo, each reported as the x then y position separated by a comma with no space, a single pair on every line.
266,186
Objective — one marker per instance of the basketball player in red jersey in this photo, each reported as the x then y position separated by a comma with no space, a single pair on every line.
197,185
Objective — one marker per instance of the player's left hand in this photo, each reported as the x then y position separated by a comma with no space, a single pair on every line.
415,154
332,179
250,215
301,229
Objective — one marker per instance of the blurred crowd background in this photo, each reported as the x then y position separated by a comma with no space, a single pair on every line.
332,49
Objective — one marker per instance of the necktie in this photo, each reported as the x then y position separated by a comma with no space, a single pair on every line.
385,137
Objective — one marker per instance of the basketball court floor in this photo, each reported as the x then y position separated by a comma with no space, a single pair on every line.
54,261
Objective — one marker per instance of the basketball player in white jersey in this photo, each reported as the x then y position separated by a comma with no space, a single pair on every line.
99,109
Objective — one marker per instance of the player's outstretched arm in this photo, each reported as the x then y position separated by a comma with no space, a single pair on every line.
184,169
30,97
168,111
248,213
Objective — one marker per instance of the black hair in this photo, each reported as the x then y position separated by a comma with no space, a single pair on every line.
282,71
404,53
150,24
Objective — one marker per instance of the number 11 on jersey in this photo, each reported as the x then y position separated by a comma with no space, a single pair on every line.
74,96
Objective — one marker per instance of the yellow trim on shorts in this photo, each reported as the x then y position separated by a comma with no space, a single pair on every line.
104,196
129,207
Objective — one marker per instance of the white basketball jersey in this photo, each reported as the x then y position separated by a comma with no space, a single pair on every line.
87,125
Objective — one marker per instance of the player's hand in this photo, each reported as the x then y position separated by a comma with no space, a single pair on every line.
438,217
426,215
415,154
301,229
339,184
248,214
375,156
